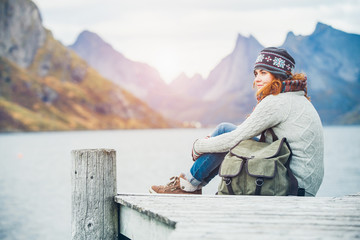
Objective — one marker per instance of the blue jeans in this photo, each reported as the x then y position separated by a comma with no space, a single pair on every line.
206,167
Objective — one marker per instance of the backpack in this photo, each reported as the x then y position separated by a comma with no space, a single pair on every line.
258,168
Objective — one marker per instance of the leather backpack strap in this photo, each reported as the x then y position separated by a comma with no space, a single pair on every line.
293,188
228,185
274,137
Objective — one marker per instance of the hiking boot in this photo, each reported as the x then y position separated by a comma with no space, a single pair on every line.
177,185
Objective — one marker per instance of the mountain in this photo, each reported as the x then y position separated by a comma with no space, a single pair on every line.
21,30
326,51
330,58
139,78
229,85
45,86
180,85
227,93
235,71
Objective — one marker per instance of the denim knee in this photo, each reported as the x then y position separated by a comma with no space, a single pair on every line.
223,127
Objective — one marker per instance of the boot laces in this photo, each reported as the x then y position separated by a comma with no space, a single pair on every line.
173,181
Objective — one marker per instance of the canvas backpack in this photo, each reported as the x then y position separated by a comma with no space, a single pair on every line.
258,168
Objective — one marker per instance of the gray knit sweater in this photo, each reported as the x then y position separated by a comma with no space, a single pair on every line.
292,116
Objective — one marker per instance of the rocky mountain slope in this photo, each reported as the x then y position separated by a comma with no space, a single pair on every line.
330,58
46,86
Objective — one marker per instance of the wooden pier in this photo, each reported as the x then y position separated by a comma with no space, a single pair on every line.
238,217
100,213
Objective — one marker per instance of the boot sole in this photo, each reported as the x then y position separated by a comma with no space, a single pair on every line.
152,191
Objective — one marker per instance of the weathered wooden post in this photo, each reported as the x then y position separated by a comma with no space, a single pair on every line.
93,179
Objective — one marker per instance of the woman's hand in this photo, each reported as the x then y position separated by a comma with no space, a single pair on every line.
195,155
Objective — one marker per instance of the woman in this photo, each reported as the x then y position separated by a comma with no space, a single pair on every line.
284,106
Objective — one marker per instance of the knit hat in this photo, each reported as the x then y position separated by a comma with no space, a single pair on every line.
276,61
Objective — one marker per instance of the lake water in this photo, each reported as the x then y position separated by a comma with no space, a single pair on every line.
35,195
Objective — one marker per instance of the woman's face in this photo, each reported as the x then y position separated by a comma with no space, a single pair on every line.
262,77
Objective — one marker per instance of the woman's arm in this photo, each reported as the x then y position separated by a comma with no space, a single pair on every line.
269,112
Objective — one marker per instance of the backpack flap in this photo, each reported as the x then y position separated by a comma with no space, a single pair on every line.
263,168
231,166
255,149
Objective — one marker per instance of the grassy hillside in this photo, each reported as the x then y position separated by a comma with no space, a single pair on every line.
59,91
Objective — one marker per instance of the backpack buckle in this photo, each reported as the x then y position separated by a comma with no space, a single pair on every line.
259,182
227,181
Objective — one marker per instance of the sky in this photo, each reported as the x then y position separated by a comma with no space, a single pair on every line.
191,36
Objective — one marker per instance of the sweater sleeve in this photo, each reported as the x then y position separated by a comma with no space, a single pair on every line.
271,111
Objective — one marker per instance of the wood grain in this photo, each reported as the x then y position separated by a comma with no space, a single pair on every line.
93,179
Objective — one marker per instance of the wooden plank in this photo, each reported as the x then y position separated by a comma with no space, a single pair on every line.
250,217
137,225
93,177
